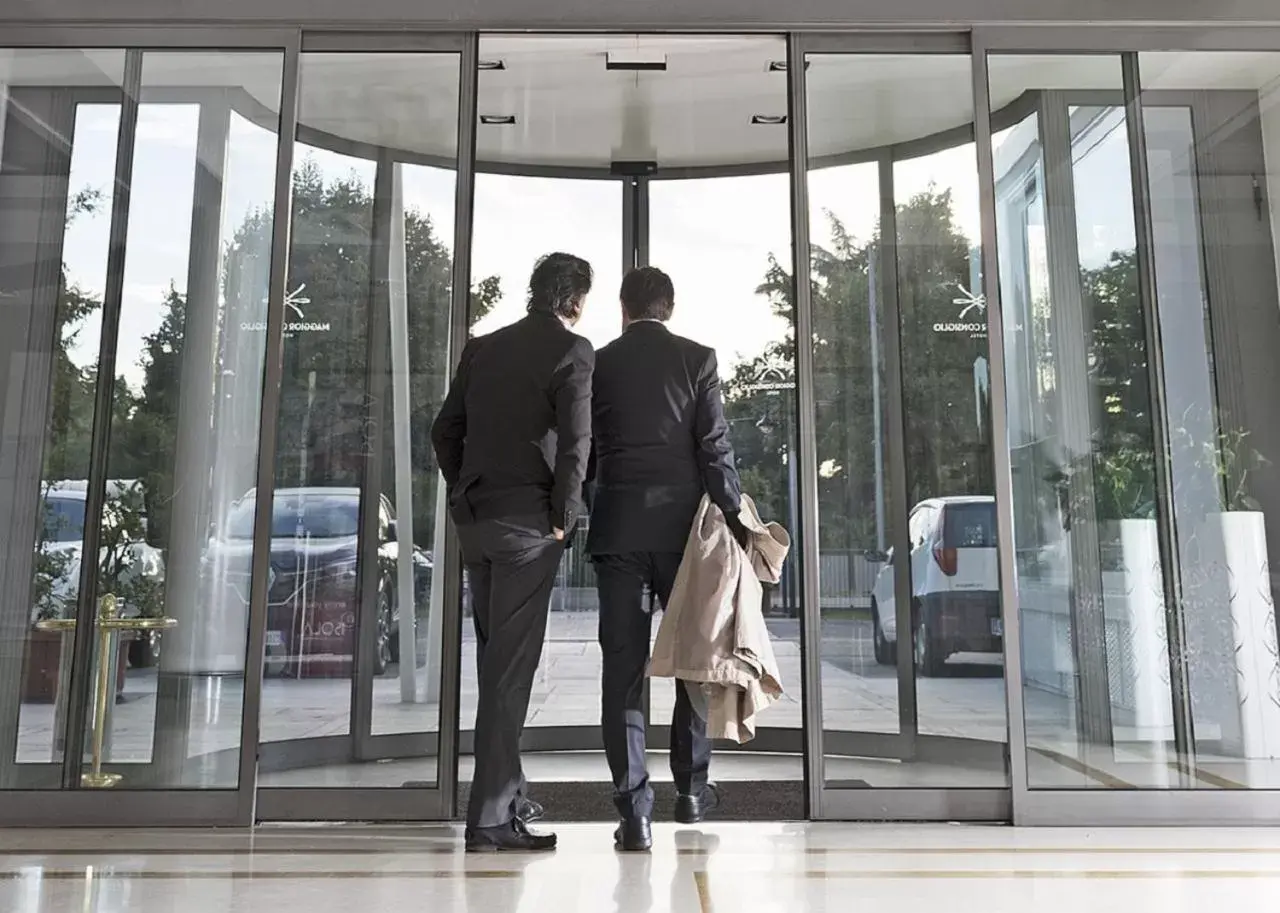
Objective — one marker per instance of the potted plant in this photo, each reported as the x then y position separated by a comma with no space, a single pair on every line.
1113,486
1226,609
1226,584
44,648
127,568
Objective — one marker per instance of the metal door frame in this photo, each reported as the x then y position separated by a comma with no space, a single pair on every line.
1025,806
1099,807
428,801
166,806
830,800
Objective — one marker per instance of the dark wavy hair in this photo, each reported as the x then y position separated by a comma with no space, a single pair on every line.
647,294
559,285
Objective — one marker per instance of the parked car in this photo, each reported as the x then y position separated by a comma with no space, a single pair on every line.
135,569
312,591
954,583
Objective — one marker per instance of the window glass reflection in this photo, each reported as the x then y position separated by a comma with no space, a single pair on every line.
912,643
54,279
355,606
204,151
1209,124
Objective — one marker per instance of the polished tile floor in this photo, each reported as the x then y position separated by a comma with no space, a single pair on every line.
756,868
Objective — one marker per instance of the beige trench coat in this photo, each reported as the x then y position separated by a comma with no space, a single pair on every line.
713,631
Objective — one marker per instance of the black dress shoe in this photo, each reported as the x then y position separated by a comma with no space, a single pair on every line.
634,835
529,811
514,837
692,809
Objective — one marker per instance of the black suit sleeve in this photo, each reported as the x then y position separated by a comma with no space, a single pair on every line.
449,431
711,435
571,394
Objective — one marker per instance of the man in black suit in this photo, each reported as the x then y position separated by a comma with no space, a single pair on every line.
660,442
513,439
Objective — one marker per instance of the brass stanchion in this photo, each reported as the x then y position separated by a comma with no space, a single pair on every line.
110,624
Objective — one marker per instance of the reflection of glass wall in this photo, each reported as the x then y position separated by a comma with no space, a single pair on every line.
1123,489
1080,410
355,609
1210,121
895,234
55,274
201,178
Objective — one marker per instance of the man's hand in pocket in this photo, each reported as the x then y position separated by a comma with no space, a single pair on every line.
557,534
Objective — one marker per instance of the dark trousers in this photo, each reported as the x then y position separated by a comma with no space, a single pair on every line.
625,632
511,564
481,639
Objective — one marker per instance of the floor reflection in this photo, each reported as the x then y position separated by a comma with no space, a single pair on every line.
757,867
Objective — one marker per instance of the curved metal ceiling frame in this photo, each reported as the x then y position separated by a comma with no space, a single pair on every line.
253,110
950,138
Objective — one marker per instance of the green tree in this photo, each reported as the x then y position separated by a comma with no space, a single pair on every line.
946,410
948,449
1124,468
66,451
67,441
325,403
151,432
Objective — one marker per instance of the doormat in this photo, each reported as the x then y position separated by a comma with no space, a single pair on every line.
740,800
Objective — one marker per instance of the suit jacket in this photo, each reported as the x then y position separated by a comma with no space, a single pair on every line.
514,434
660,441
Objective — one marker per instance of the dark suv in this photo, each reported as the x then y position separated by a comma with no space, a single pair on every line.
312,596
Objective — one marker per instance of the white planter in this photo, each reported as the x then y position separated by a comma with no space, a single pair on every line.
1257,659
1133,599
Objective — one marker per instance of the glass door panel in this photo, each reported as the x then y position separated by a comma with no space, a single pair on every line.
1142,493
733,295
1083,445
911,644
57,174
152,198
352,684
187,402
1210,121
956,625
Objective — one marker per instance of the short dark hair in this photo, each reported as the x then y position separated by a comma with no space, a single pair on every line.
647,294
559,285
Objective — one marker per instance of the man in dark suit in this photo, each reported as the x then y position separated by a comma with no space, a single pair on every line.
660,442
513,440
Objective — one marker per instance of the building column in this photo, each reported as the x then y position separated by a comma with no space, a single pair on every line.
401,369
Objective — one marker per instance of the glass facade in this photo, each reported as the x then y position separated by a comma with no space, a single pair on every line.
995,325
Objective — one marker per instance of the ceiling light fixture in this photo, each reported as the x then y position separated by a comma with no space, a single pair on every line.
768,120
497,120
491,65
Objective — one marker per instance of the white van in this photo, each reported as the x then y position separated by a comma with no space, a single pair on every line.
954,583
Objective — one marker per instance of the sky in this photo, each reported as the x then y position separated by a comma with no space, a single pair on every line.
160,213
